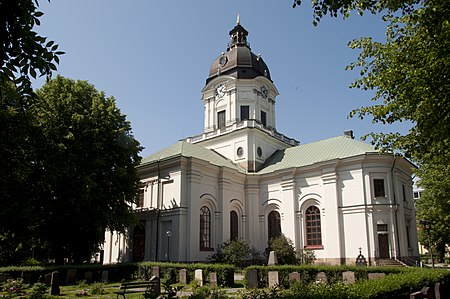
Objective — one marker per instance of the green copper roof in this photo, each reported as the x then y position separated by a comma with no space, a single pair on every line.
324,150
185,149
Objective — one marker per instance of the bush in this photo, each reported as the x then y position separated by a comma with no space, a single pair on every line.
37,291
285,250
98,288
235,252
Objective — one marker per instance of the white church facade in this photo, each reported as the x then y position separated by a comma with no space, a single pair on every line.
242,179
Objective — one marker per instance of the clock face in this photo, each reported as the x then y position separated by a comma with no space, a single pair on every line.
220,90
264,92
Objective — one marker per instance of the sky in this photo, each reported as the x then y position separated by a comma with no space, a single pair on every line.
154,58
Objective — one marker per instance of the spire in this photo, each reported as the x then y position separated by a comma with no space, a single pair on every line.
238,36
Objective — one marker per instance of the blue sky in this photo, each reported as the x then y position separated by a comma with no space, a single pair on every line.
154,57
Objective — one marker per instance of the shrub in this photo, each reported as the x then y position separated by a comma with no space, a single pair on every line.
285,250
235,252
98,288
37,291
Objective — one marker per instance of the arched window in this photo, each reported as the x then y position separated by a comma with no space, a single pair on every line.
313,228
234,226
205,228
274,225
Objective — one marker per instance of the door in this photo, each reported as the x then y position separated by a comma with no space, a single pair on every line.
383,245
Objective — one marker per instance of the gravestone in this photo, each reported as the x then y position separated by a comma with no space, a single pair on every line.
4,277
438,291
199,276
155,271
213,279
88,276
348,277
321,277
427,292
71,276
272,259
273,279
27,276
54,287
48,279
105,275
252,279
416,295
183,276
376,275
294,277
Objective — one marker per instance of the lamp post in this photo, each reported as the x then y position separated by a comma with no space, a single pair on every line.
424,223
168,234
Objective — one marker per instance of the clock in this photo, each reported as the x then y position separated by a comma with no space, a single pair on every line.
220,90
264,92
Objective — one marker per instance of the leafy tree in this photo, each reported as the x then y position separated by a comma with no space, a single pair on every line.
24,53
285,250
85,164
409,77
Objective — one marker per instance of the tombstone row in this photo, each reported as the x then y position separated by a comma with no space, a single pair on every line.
348,277
184,279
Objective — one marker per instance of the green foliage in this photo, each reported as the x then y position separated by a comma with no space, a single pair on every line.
285,250
306,256
24,53
14,287
235,252
37,291
97,288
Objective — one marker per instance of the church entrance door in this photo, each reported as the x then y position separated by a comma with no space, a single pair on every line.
383,245
139,243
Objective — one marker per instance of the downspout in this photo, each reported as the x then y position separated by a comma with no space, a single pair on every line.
397,235
159,213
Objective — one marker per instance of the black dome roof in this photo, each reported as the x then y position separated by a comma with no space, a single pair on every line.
239,61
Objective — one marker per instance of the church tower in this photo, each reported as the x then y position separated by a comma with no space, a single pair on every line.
239,102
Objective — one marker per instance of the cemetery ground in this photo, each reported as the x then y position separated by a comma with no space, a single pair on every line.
185,280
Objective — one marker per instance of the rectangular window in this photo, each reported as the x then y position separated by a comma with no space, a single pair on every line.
404,192
221,119
382,228
264,118
378,186
140,203
245,112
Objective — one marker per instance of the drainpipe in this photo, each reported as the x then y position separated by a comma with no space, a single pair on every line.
396,209
159,213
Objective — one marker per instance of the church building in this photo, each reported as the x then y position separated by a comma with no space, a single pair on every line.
242,179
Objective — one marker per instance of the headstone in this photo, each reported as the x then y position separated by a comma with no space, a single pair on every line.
376,275
48,279
438,291
348,277
4,277
427,292
252,279
272,259
88,276
183,276
155,285
105,275
71,276
155,271
213,279
27,276
199,276
416,295
294,277
54,288
273,279
321,277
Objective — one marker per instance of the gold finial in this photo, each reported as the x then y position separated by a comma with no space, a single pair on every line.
238,21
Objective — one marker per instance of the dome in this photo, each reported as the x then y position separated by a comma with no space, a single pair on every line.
239,61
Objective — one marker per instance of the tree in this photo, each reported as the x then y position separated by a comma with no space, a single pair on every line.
409,75
85,164
23,52
285,250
